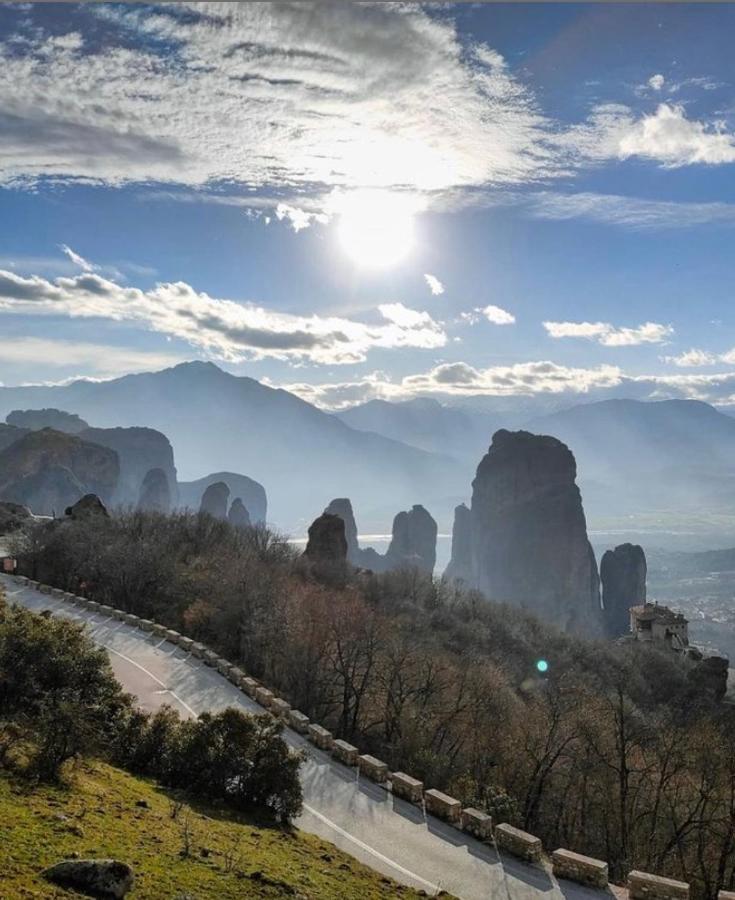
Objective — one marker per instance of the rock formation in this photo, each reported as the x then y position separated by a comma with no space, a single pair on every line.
139,450
96,877
327,543
155,493
87,507
13,516
342,507
461,560
251,493
36,419
48,470
238,514
623,578
529,544
414,541
214,500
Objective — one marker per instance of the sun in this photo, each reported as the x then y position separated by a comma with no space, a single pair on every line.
375,228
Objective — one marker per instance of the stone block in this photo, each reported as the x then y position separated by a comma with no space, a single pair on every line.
105,610
519,843
56,592
298,721
264,697
372,768
172,636
345,753
198,650
210,658
236,676
320,737
250,686
642,886
224,666
186,643
45,588
145,625
726,895
118,614
131,619
442,805
408,788
158,630
93,606
579,868
477,823
280,707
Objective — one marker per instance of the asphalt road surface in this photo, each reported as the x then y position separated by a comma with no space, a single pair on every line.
363,819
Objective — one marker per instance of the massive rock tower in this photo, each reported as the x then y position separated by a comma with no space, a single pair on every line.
460,565
214,500
528,542
414,541
623,575
155,492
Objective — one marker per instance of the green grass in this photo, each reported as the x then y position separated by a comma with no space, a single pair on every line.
105,812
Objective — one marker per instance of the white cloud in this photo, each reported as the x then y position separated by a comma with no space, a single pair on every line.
105,359
222,327
609,335
496,315
692,358
656,82
666,136
300,96
435,286
299,218
78,260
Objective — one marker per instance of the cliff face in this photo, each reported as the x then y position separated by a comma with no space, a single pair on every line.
460,564
139,450
342,507
215,499
155,493
249,491
528,541
238,514
48,470
414,541
623,576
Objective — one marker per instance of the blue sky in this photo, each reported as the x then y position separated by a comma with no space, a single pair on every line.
269,188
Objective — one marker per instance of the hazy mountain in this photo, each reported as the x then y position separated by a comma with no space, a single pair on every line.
668,457
425,423
301,455
251,493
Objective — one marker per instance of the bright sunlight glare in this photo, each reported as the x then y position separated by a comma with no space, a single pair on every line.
375,228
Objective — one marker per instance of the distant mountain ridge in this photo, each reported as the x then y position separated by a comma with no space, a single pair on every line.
300,454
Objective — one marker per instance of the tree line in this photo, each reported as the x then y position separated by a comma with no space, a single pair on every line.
617,750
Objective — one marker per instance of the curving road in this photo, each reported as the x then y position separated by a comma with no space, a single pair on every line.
360,817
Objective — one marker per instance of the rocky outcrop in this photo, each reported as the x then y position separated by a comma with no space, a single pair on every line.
327,543
529,544
461,560
710,676
342,507
139,450
87,507
413,542
623,578
155,493
105,878
238,514
214,500
48,470
36,419
13,516
251,493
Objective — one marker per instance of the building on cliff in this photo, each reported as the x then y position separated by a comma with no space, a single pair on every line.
651,622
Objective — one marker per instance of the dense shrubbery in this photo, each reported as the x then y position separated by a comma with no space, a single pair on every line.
615,752
59,700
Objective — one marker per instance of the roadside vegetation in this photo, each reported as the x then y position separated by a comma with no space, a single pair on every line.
615,751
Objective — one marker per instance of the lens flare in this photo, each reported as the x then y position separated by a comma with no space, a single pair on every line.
542,666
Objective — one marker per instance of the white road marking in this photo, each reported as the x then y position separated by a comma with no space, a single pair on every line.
386,859
151,675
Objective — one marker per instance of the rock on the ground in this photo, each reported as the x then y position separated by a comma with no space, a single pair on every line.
238,514
87,507
529,534
105,878
623,578
155,493
214,500
414,541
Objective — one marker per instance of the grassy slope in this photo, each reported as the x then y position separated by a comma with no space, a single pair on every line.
98,816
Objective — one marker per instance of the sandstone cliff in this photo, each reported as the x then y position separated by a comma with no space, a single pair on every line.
460,563
623,577
529,544
327,543
48,470
214,500
249,491
155,493
414,541
238,516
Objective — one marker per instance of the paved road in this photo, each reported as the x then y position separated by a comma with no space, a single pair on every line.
360,817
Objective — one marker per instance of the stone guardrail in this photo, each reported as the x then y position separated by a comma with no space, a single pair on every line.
565,863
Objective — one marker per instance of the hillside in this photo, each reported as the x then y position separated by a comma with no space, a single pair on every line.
668,457
424,423
301,455
108,813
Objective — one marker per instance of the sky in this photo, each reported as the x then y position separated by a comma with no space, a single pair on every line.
372,201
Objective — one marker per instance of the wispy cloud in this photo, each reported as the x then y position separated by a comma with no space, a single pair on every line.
99,359
609,335
435,286
222,327
76,259
695,358
494,314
